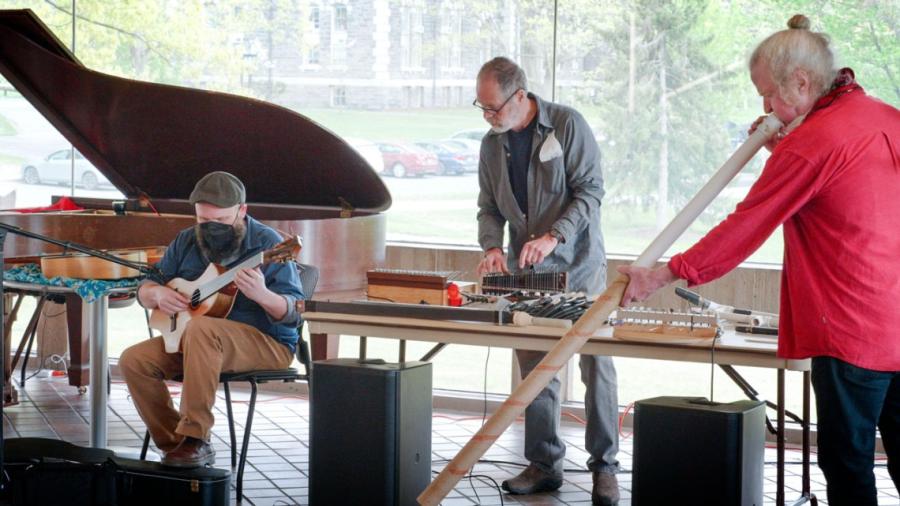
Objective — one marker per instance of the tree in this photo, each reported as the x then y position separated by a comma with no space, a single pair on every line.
184,42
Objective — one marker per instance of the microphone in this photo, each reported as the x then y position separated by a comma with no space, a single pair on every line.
730,313
698,300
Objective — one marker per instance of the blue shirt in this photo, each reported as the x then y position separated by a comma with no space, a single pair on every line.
183,259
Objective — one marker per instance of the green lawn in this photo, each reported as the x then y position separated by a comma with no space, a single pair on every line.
6,128
6,159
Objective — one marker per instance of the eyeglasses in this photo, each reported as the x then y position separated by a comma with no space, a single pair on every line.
491,110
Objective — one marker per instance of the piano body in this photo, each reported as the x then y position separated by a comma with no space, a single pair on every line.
154,141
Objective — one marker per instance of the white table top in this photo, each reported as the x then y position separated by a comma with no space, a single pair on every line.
732,348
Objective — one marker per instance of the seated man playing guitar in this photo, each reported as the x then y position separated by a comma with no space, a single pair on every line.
260,331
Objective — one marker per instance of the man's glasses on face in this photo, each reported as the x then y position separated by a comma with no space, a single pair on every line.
491,110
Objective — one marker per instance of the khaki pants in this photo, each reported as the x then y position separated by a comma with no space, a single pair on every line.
209,346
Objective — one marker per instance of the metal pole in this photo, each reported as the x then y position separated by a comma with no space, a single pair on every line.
779,477
805,488
95,314
2,360
553,60
72,148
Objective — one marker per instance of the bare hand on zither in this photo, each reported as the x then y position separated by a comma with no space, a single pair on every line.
644,282
534,252
494,261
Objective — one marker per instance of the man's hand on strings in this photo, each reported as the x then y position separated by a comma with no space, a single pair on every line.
251,283
168,300
534,252
494,261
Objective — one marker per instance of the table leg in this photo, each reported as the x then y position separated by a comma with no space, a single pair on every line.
807,492
95,314
432,352
779,492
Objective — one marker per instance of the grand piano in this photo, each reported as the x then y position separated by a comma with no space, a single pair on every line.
154,141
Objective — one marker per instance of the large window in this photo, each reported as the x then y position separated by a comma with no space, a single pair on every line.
664,86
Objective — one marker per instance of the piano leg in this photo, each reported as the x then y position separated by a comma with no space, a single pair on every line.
79,346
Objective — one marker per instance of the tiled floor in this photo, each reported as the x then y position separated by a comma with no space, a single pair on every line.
278,462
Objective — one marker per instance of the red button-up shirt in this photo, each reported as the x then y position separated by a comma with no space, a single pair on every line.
834,183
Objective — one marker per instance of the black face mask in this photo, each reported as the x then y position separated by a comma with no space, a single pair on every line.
218,240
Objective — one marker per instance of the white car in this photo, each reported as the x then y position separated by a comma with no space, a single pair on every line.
369,151
57,168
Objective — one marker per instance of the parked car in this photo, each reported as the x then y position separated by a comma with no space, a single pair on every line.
455,158
473,134
465,144
369,151
57,168
401,160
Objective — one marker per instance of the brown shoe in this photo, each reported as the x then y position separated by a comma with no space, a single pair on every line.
606,490
532,481
191,452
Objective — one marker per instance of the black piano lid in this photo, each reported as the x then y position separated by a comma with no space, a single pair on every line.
160,139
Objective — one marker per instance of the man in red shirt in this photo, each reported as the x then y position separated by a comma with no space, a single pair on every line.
834,183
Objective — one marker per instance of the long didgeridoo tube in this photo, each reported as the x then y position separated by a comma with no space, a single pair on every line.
589,323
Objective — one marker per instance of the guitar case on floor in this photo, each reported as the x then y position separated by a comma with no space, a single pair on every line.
49,472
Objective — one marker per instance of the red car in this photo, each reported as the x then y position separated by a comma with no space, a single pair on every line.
401,160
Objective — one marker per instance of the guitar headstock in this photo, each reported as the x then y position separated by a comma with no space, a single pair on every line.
284,251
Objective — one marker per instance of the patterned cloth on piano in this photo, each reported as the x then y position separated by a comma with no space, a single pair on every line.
87,289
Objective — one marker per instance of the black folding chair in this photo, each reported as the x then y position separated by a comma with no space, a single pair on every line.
309,277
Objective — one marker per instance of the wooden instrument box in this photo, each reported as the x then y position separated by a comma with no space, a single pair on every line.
412,287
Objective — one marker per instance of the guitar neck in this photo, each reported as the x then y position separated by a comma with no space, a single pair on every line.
222,280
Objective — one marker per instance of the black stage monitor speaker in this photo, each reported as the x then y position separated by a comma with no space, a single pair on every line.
688,450
370,432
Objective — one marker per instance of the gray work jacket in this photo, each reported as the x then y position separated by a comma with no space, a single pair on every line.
565,186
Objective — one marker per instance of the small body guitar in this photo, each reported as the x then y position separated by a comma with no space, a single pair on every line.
213,293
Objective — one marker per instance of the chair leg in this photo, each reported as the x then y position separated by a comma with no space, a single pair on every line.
27,339
146,445
27,354
230,425
246,443
305,357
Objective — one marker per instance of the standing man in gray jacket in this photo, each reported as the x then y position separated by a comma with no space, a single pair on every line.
540,173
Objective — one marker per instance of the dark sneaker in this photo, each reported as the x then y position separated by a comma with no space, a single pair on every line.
533,480
606,490
191,452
